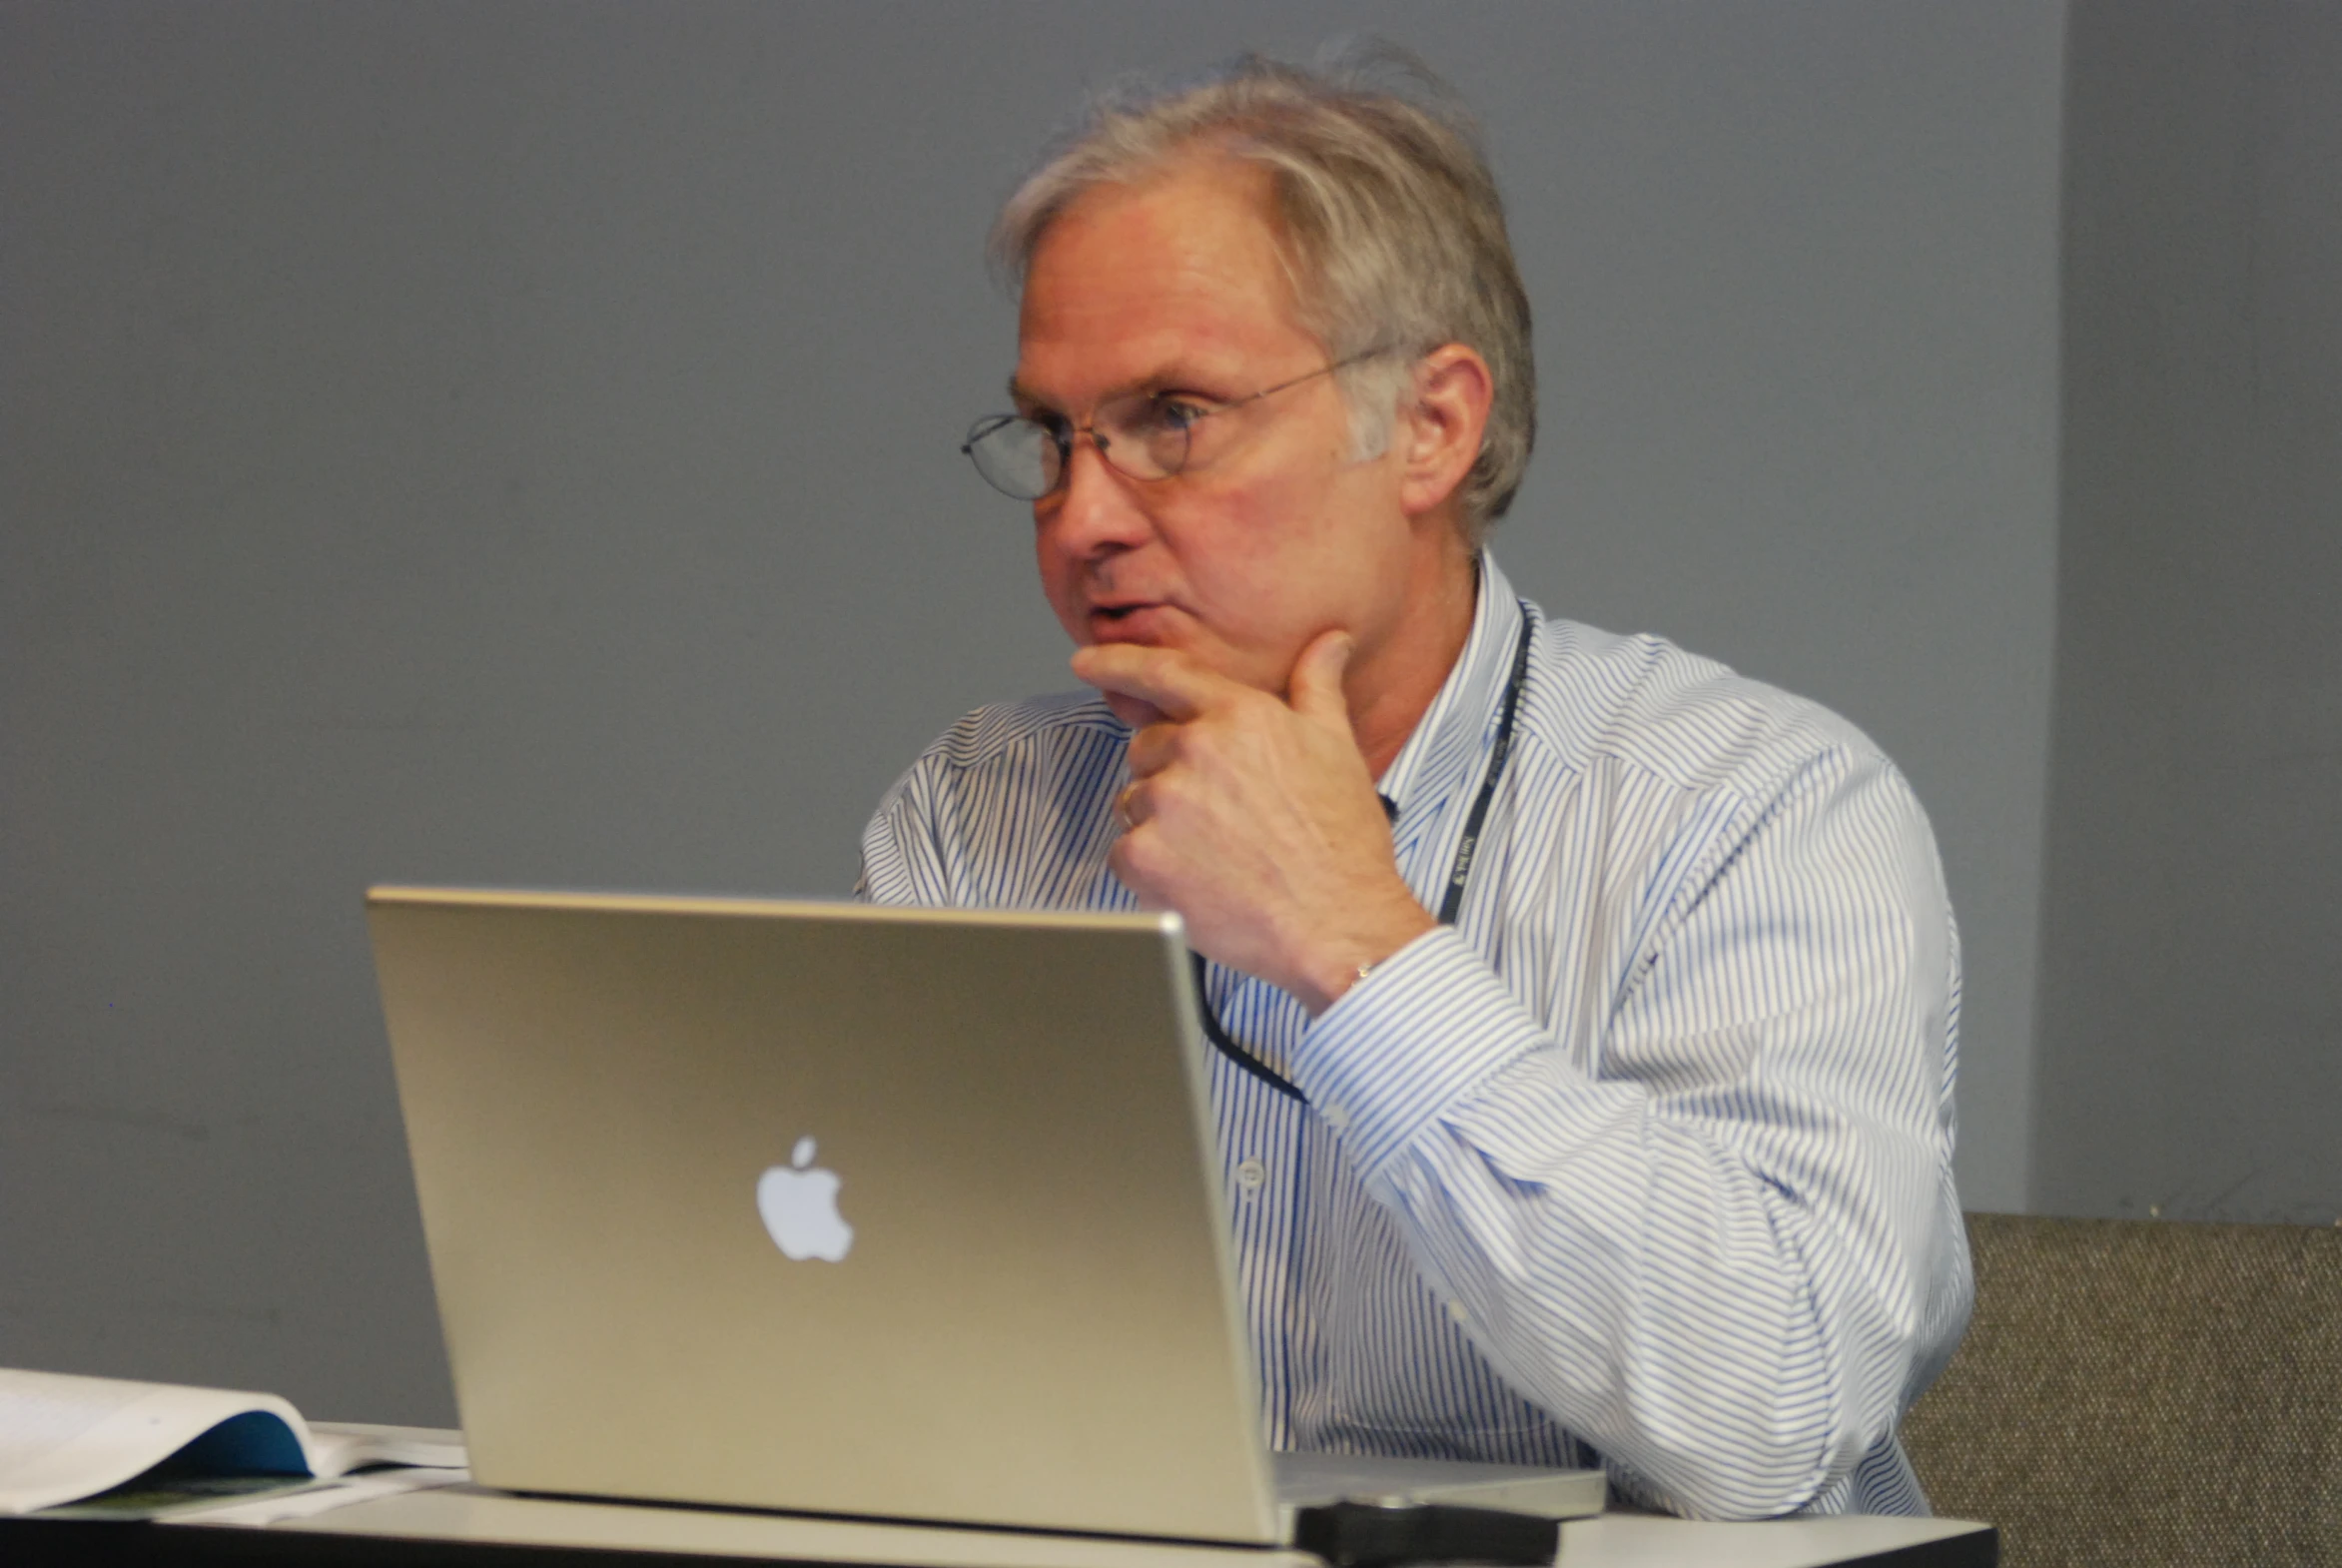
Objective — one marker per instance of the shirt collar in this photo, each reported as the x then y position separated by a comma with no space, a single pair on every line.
1443,755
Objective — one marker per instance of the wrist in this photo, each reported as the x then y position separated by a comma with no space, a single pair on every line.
1343,959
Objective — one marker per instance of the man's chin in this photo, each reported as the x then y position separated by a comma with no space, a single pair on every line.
1134,711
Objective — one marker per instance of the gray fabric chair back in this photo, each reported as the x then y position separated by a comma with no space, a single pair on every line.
2144,1392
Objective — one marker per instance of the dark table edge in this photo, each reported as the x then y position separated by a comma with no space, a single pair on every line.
1978,1549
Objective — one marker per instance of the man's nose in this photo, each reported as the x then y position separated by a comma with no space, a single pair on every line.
1095,508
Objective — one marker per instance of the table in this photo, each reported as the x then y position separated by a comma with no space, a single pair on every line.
474,1527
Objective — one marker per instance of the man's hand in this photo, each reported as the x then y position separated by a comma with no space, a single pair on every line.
1256,820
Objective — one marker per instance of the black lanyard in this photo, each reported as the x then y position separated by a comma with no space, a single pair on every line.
1450,904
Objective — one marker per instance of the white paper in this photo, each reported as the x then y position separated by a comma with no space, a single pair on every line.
337,1447
63,1437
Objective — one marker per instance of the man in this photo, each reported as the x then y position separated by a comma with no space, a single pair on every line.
1586,1014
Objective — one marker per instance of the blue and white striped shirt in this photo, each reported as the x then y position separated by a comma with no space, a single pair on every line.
1647,1161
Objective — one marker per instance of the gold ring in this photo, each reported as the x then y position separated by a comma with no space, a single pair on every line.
1123,806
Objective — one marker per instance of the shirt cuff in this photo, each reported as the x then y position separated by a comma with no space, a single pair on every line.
1407,1042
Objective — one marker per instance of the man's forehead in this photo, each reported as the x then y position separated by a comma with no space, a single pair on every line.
1179,274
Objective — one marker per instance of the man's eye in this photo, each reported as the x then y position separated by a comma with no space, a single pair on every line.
1172,414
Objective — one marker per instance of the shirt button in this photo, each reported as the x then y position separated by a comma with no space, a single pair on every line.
1336,1118
1455,1310
1250,1175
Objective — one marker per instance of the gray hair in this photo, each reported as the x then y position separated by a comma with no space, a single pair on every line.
1390,218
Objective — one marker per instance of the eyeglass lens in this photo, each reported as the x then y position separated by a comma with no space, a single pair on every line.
1143,436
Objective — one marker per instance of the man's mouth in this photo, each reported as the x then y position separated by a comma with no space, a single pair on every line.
1124,622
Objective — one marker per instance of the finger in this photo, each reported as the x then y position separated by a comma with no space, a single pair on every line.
1315,689
1130,868
1134,713
1154,748
1173,684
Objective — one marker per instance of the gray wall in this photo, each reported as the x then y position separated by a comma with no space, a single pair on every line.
2192,1005
514,442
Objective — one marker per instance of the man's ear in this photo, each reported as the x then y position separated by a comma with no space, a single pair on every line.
1440,425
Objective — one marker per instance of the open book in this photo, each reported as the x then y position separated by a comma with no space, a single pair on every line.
63,1437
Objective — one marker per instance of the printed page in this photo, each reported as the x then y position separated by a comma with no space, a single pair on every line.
319,1498
63,1437
181,1495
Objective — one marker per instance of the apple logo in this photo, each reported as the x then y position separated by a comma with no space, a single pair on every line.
799,1202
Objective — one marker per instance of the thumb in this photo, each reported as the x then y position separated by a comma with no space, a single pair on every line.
1315,690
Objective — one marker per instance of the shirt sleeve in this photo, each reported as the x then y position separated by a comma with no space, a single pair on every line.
904,858
1718,1238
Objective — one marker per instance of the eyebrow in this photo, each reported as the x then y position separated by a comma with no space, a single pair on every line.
1154,381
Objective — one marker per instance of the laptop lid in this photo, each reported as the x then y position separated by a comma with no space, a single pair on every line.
890,1213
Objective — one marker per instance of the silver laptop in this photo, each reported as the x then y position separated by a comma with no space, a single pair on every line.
908,1214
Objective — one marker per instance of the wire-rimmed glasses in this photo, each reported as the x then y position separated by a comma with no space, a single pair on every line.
1144,434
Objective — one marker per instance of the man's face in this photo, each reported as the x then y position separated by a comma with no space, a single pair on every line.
1275,531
